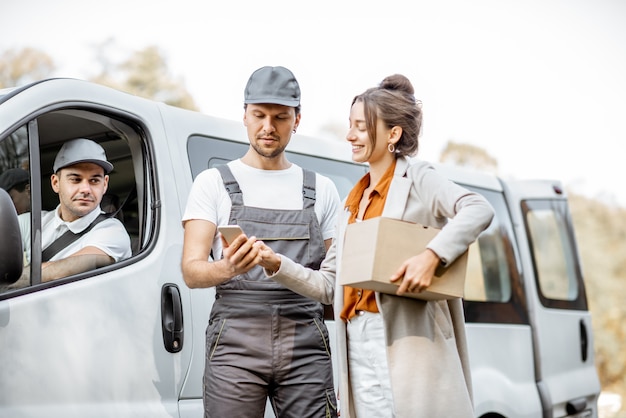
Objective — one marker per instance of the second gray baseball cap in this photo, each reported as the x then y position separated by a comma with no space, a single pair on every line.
275,85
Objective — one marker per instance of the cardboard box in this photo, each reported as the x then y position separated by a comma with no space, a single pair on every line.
375,248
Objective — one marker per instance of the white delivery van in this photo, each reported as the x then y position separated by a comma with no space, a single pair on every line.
127,340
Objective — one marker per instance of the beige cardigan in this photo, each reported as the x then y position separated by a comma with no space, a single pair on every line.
426,342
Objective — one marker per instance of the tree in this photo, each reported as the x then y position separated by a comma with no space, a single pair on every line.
145,74
601,237
25,66
467,155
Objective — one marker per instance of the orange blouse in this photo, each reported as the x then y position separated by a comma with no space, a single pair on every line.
360,299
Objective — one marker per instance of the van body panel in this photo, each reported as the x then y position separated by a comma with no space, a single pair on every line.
94,344
72,356
503,378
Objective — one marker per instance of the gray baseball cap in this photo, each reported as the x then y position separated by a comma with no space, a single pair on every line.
81,151
276,85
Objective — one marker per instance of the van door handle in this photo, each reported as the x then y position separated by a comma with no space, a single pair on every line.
584,341
575,405
172,318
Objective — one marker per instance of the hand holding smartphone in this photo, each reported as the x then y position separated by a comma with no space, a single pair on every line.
230,232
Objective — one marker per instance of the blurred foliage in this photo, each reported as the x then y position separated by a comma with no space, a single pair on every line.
467,155
145,73
601,236
334,130
25,66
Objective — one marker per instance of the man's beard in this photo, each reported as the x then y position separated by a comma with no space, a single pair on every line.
272,153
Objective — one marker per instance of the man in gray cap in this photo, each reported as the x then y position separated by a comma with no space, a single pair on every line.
77,236
16,181
263,340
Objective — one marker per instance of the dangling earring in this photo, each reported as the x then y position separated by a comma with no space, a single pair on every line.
391,148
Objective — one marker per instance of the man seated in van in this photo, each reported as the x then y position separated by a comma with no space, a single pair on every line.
16,182
81,178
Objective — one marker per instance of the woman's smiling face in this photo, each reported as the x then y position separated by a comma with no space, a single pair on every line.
364,148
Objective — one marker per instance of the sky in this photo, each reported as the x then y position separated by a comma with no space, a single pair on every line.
539,84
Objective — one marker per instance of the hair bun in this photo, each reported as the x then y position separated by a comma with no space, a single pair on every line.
397,82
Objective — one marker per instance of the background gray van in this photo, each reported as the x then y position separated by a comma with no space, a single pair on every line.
127,340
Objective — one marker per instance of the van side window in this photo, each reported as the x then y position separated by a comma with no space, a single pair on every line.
490,260
34,147
14,169
488,277
494,292
557,271
553,257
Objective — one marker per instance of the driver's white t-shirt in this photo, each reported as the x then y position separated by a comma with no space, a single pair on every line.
109,235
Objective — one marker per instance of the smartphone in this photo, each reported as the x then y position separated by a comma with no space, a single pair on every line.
230,232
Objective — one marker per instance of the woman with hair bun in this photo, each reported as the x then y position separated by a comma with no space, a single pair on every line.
397,356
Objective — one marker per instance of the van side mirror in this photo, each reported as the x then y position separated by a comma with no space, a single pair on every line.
11,252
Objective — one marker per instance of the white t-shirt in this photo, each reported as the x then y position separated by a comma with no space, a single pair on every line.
268,189
109,235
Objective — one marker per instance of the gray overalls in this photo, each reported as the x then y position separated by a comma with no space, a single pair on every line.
263,339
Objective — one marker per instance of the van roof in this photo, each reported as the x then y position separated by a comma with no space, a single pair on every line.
465,175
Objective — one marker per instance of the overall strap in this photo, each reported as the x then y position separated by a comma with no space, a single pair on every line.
308,189
231,185
67,238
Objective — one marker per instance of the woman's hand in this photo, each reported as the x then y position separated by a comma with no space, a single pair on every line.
270,261
416,273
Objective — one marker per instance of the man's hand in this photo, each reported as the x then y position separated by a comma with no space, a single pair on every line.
241,255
